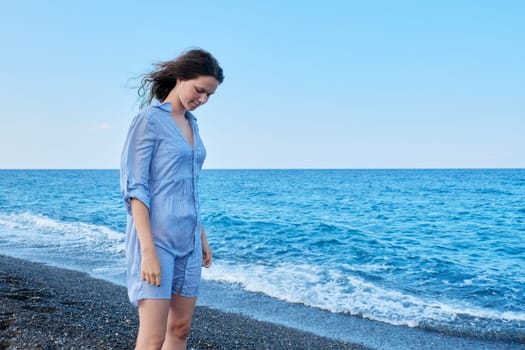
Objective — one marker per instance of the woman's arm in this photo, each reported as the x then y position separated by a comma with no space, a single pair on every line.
150,266
206,251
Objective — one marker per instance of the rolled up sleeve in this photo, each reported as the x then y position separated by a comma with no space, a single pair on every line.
136,161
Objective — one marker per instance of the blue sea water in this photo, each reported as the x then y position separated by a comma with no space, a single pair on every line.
441,250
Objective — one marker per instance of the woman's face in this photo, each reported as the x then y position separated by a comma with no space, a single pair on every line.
196,92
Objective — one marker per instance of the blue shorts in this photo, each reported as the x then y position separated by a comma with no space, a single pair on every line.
177,275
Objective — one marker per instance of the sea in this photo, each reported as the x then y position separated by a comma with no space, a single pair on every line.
439,251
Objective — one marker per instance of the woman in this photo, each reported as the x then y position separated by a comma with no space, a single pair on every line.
166,244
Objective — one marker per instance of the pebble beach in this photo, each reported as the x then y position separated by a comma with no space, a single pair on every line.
44,307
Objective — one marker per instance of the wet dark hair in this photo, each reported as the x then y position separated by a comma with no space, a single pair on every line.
189,65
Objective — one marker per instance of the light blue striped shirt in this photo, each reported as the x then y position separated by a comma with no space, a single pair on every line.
161,169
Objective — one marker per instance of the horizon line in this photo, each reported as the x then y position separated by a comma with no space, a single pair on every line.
335,168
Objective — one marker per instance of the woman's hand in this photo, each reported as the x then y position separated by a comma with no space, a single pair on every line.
206,250
150,268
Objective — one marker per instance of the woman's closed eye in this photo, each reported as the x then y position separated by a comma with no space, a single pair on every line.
202,91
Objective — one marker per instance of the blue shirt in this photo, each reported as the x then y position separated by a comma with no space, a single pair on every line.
161,169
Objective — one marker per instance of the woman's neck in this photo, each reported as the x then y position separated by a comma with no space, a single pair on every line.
177,109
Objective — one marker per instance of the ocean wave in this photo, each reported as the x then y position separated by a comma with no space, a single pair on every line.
37,230
338,292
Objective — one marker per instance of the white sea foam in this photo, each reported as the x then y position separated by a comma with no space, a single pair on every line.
333,291
311,285
37,230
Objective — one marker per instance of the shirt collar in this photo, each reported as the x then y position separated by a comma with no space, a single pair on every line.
166,106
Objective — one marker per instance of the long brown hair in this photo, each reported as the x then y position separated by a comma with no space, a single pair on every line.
189,65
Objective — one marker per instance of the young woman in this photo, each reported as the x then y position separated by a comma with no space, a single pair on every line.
166,244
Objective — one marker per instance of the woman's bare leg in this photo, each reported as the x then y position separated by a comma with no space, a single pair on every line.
153,316
179,322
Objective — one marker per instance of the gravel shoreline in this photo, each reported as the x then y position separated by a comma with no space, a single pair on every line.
44,307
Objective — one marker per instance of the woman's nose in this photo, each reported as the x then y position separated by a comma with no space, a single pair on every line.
203,98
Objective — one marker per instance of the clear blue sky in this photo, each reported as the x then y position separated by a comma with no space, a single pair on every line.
309,84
